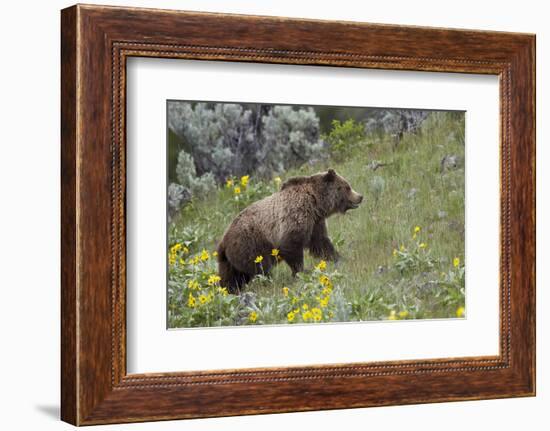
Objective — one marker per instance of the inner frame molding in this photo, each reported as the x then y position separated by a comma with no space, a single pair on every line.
96,42
121,52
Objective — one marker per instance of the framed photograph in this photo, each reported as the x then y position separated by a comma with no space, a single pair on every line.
264,215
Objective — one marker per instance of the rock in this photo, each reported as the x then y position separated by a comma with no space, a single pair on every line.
247,299
450,162
412,193
375,164
178,197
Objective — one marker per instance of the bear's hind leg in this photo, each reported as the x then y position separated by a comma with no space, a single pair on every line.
231,277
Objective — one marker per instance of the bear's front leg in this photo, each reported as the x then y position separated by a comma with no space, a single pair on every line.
295,260
320,245
292,252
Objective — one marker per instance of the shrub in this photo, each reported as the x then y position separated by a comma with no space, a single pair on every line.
344,138
396,121
230,140
199,186
290,138
178,196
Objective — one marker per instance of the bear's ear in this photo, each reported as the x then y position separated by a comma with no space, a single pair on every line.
330,175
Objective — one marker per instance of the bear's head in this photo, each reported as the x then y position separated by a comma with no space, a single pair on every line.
338,194
332,192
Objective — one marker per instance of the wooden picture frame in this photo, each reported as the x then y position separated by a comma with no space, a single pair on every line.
95,43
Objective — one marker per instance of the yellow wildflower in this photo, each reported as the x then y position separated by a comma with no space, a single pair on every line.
317,314
258,259
322,266
394,252
290,316
172,255
403,314
392,315
294,300
460,312
417,229
327,291
205,255
191,302
213,279
185,250
203,299
244,180
305,306
229,183
307,315
285,291
275,252
277,181
222,290
324,301
182,261
196,260
422,245
237,190
456,262
193,284
214,253
402,247
325,281
253,316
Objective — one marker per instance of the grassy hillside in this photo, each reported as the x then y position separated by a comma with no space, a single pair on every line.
402,249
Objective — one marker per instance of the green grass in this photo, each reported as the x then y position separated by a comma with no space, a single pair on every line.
409,191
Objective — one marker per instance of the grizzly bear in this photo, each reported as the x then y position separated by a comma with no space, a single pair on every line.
289,221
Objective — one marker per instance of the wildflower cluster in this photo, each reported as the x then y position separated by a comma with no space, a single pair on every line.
274,256
311,301
394,315
244,191
415,257
177,254
453,284
442,279
237,185
196,297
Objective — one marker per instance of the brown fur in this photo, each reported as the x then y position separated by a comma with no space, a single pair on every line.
289,220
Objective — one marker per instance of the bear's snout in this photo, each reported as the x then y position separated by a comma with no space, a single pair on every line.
354,200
